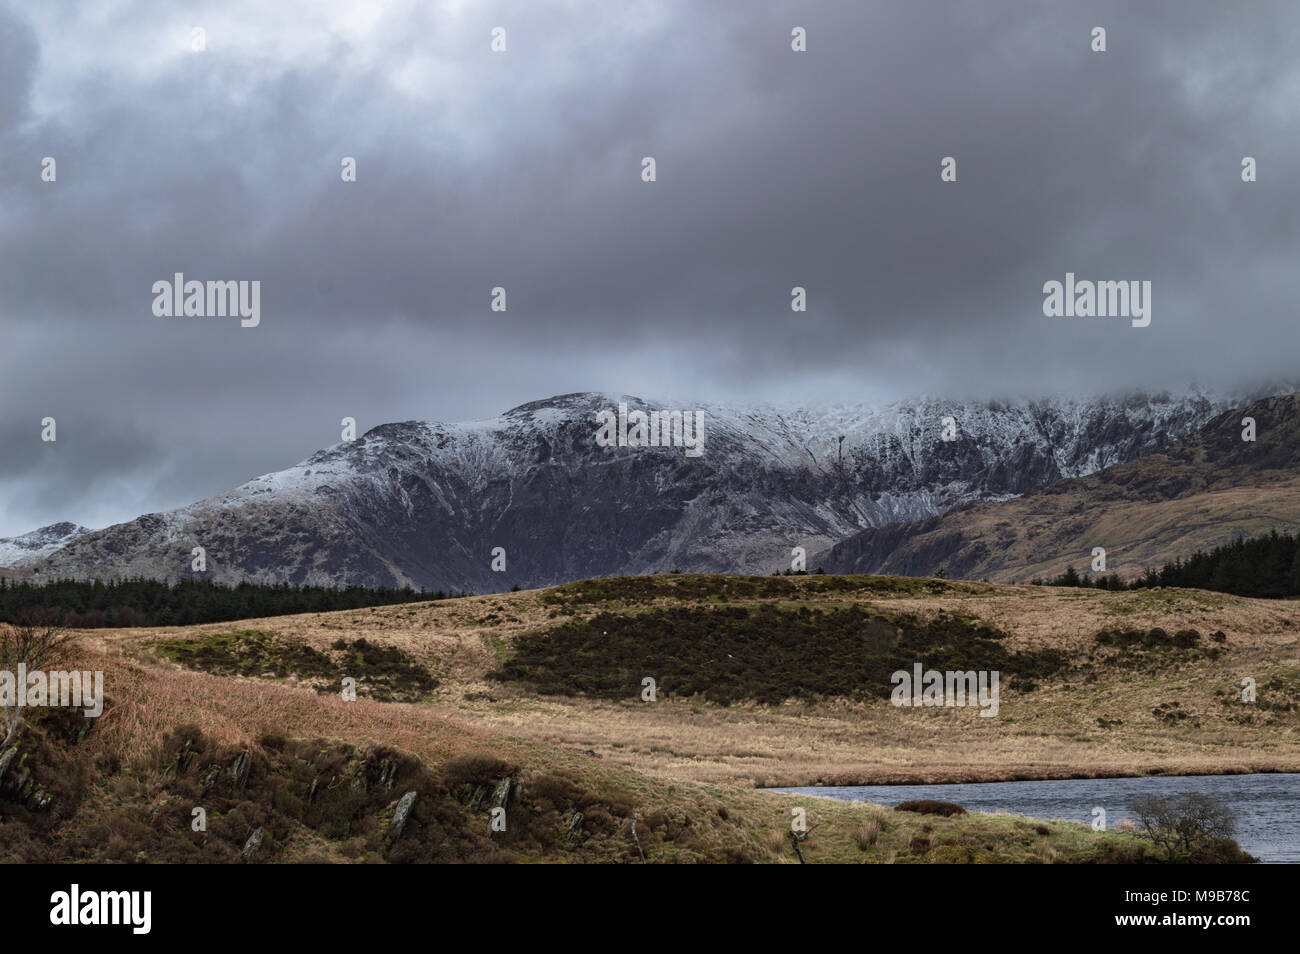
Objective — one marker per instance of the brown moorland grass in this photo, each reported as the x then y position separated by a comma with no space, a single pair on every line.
1097,725
128,795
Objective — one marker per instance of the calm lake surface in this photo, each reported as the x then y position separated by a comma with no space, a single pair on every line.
1268,806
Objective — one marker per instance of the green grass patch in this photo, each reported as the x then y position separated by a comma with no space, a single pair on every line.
712,587
728,654
383,673
1150,649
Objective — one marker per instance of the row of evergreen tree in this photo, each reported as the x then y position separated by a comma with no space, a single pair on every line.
141,602
1267,566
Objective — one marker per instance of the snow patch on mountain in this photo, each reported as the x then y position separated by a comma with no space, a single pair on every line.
38,543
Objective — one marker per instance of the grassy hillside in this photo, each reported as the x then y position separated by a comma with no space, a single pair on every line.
276,790
248,722
1101,714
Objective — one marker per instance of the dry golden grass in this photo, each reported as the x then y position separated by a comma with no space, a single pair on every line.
1051,733
149,701
867,834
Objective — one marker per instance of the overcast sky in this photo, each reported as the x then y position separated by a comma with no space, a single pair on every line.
523,169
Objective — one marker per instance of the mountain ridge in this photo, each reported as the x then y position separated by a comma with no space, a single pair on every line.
427,503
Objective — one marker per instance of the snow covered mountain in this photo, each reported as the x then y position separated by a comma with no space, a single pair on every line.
427,503
38,543
1202,491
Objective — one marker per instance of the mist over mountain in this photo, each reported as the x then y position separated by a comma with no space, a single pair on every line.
428,504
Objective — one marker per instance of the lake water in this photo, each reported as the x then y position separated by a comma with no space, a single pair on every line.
1267,806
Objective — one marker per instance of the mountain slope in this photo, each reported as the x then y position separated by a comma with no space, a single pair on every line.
426,503
1201,491
39,543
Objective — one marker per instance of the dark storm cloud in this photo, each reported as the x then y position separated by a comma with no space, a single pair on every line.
521,169
18,49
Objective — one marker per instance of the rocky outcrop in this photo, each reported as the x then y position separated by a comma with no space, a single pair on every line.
400,814
253,844
17,782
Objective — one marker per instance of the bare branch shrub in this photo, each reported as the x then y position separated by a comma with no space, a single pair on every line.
37,641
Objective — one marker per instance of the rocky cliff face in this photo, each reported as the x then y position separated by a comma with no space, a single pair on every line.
427,503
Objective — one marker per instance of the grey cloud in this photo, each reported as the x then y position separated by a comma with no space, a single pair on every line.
775,169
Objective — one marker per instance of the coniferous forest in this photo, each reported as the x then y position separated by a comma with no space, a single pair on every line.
140,602
1267,566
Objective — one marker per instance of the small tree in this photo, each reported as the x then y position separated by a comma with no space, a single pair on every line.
36,641
1180,824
